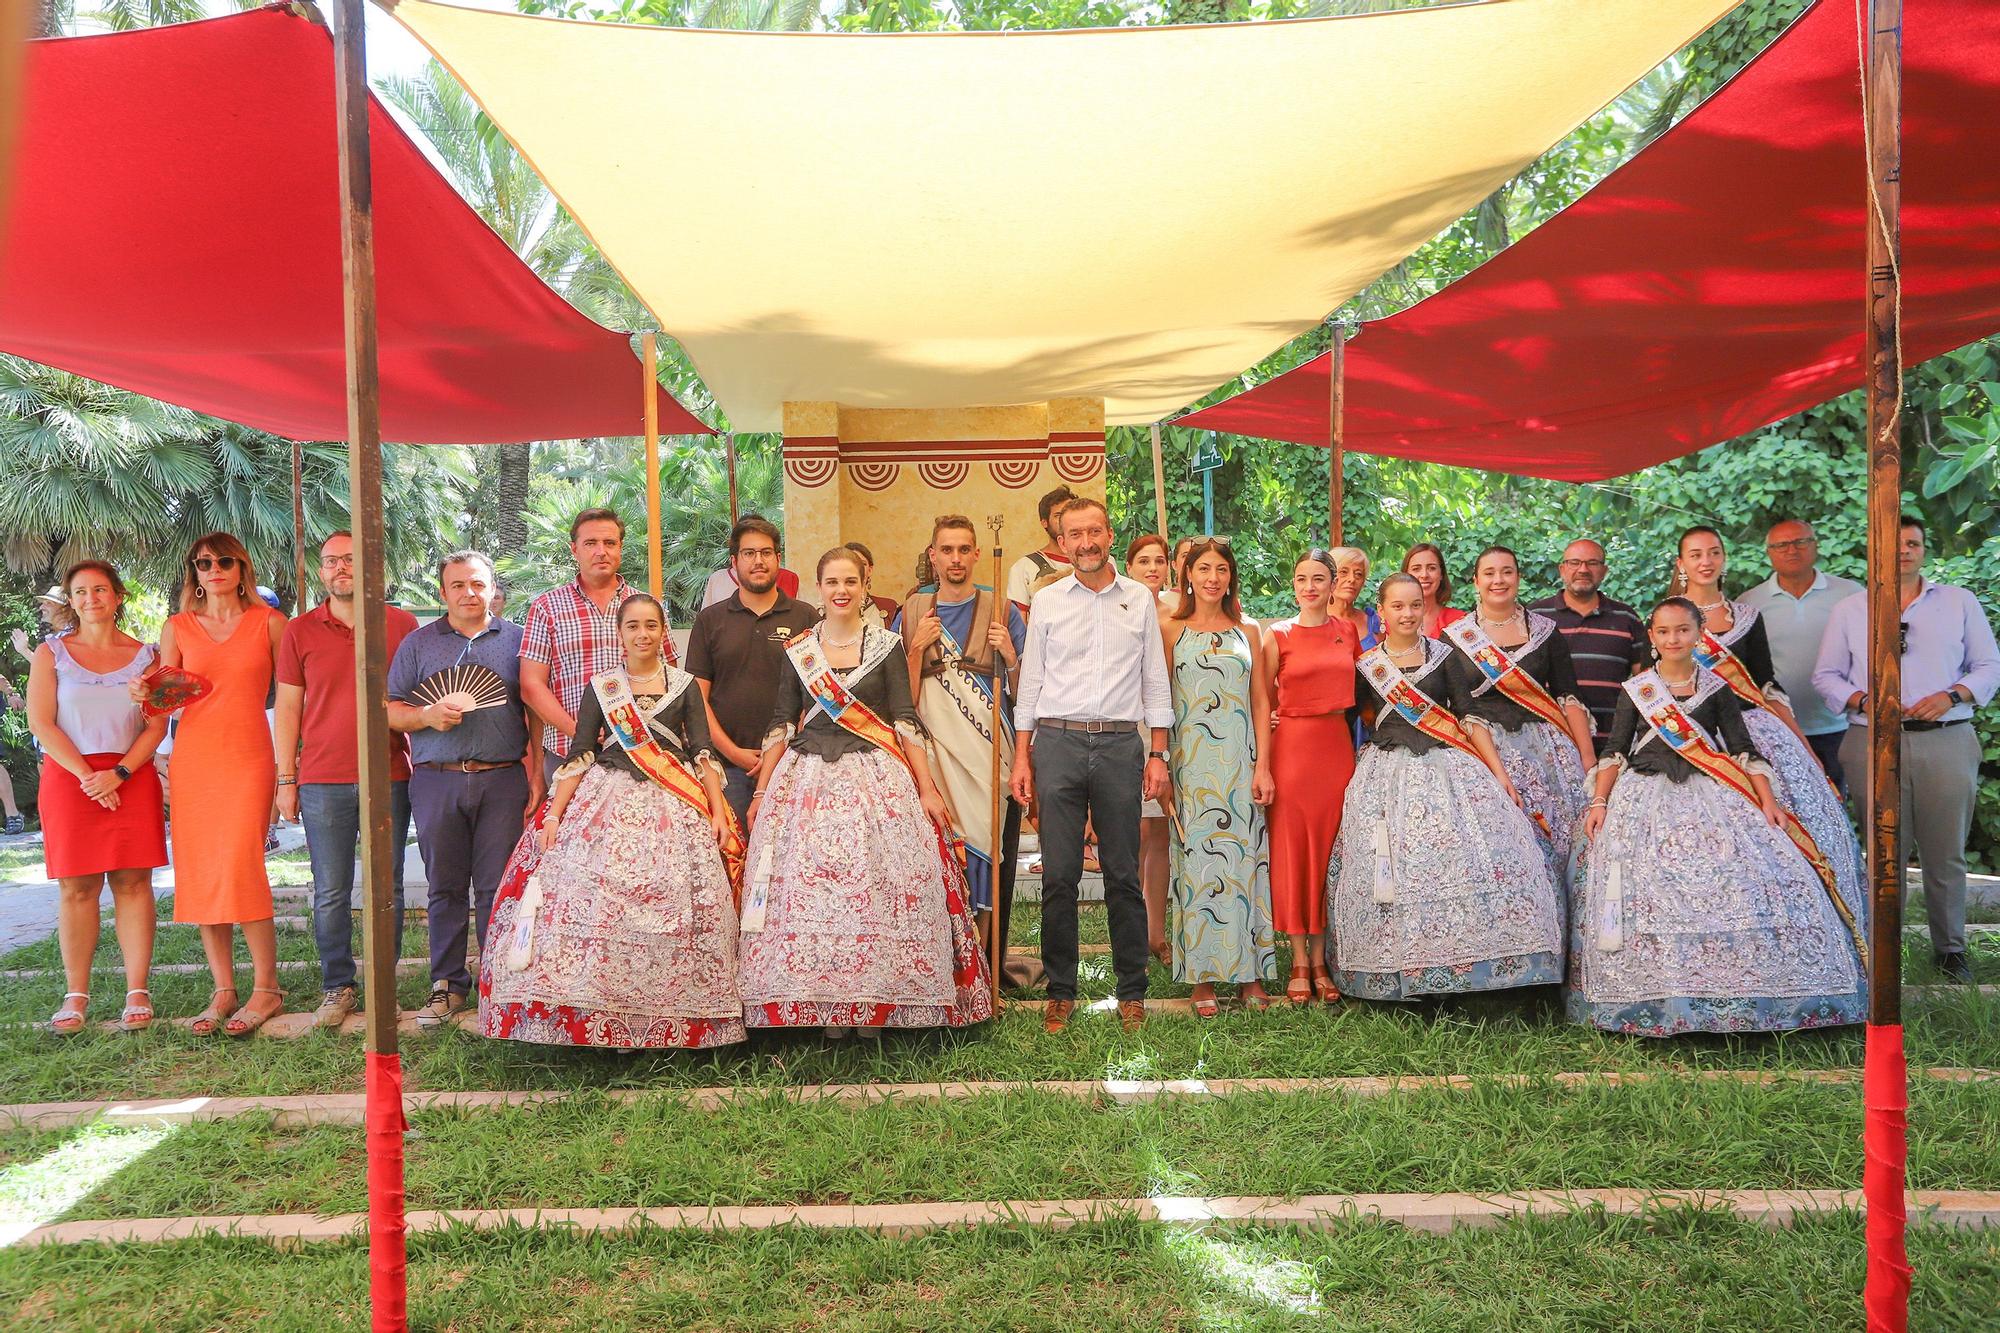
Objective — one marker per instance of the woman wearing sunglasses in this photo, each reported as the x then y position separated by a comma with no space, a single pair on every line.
223,773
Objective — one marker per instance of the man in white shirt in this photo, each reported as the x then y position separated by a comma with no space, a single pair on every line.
1796,602
1950,668
1093,683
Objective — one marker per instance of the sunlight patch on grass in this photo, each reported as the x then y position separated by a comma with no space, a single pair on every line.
36,1192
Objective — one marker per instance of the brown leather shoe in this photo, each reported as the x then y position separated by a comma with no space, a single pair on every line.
1131,1014
1055,1015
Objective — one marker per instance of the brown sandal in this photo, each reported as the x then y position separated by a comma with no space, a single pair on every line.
209,1021
1323,986
239,1026
1298,990
1207,1008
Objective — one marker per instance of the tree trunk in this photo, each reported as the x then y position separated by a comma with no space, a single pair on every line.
510,523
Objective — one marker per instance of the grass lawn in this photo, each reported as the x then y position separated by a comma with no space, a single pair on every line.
1671,1272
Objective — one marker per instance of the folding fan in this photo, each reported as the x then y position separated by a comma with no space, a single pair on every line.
171,688
467,687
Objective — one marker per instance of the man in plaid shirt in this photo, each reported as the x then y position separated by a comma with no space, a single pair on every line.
572,631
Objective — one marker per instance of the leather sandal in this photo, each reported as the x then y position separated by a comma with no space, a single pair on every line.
69,1019
137,1017
1299,988
1323,986
1207,1007
209,1021
1253,1000
241,1026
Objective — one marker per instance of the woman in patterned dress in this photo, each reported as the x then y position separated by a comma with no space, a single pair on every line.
1737,630
1309,755
1440,885
1545,762
854,908
1222,880
1693,912
614,924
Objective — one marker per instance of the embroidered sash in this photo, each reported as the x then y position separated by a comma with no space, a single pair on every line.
1712,654
629,727
827,694
1685,737
1503,673
1412,704
958,714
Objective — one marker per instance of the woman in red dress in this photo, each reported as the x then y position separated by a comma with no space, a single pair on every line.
1310,757
1424,562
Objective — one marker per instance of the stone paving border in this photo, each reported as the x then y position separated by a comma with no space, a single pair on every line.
347,1108
1436,1213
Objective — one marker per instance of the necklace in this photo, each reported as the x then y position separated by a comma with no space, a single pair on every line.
1501,623
1402,652
826,642
1715,605
1678,684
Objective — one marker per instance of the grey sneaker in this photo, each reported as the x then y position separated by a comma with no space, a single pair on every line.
444,1002
335,1006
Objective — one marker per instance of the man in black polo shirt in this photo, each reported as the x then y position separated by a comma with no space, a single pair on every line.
737,649
1606,638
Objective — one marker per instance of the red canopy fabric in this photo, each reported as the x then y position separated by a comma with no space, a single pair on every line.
175,231
1708,287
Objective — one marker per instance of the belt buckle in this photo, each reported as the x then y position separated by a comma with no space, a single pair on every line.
465,766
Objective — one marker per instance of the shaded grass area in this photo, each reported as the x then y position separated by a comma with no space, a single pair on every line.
1491,1034
182,944
1673,1271
591,1152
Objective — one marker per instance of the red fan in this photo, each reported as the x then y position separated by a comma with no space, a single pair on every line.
171,688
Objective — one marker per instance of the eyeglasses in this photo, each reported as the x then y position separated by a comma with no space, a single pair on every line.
338,561
225,563
1582,564
1795,544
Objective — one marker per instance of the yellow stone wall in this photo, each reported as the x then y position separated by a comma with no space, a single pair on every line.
880,475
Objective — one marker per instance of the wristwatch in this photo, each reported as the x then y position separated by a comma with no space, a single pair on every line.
124,773
1160,755
1956,697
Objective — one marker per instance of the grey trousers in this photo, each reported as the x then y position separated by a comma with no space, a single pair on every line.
1944,766
1079,777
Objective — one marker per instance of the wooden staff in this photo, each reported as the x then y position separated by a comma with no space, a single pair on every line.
1159,487
649,356
998,946
729,461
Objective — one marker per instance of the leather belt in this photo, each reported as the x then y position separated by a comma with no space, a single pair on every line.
470,766
1935,726
1094,727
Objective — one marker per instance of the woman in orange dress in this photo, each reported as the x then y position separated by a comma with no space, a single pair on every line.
223,773
1310,753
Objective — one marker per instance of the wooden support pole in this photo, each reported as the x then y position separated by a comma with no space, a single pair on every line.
387,1255
997,844
1159,486
298,528
1336,434
729,461
1882,356
649,356
1885,1080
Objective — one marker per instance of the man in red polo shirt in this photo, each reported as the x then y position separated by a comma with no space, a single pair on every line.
319,770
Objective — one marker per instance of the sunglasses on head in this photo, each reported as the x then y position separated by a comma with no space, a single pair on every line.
225,563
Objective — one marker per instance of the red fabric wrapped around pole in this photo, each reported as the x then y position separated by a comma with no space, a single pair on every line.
387,1252
1886,1098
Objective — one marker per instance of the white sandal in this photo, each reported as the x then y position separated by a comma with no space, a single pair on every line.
70,1019
136,1017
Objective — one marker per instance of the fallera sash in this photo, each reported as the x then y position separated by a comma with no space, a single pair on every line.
629,727
1503,673
1416,707
1712,654
1685,737
823,687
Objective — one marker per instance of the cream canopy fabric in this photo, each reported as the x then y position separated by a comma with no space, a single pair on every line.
956,219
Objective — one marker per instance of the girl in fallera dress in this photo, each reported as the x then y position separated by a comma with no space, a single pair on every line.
1425,563
1440,884
1735,646
1694,910
1309,755
854,906
1221,860
1146,561
1517,671
615,924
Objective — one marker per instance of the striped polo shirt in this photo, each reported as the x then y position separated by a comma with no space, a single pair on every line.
1607,646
